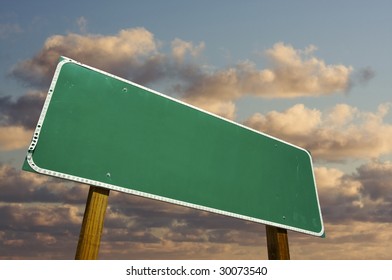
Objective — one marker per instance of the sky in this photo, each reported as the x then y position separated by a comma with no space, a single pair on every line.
313,73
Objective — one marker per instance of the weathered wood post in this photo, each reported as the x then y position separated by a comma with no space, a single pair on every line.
277,243
93,219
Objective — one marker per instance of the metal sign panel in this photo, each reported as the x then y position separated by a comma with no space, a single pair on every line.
98,129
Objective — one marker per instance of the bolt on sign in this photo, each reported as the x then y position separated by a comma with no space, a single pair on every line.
102,130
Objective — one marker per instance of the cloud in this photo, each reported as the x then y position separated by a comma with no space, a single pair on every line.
19,186
340,196
337,134
7,29
122,54
361,77
290,73
364,196
24,111
36,209
44,215
14,137
33,216
135,54
82,24
345,241
376,178
180,48
299,73
40,217
18,118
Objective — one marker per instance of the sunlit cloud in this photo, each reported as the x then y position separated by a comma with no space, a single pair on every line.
290,73
14,138
40,217
119,54
137,55
341,133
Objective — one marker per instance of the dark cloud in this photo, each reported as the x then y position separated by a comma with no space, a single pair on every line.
44,214
18,186
35,206
24,111
38,244
361,77
376,178
364,196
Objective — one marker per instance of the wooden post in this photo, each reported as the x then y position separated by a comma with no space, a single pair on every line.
277,243
94,215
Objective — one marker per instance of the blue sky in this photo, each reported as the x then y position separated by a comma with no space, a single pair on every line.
338,106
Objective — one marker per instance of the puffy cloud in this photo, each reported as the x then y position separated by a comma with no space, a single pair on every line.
340,196
291,73
299,73
297,120
180,48
135,54
121,54
376,178
340,133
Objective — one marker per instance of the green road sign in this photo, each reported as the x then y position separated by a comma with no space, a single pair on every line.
101,130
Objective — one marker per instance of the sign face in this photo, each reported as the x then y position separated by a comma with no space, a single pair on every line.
101,130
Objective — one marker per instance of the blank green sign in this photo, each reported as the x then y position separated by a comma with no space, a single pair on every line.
102,130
